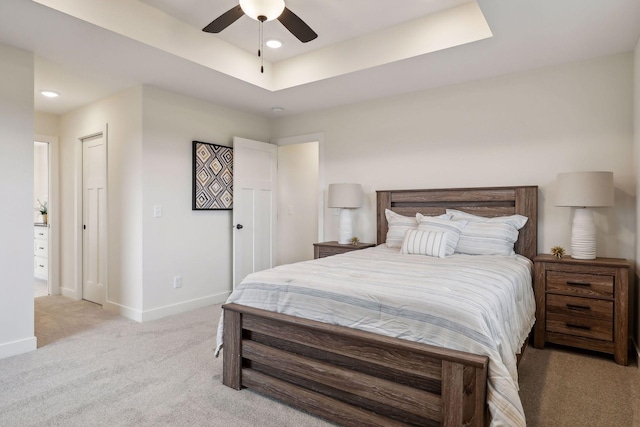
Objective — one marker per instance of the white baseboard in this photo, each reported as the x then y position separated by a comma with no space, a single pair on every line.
124,311
167,310
182,307
69,293
18,347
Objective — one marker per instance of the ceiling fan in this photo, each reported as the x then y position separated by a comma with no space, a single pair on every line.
264,10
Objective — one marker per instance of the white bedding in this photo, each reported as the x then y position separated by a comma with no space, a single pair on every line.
474,303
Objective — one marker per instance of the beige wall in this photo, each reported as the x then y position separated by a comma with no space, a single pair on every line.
16,192
520,129
193,244
297,201
150,134
122,115
46,124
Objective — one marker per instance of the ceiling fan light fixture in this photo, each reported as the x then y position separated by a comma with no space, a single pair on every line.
271,9
273,43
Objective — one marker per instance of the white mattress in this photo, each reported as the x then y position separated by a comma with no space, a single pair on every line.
474,303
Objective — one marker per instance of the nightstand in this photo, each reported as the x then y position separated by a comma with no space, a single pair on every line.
582,303
325,249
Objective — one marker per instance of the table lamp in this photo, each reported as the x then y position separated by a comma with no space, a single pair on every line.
584,190
345,197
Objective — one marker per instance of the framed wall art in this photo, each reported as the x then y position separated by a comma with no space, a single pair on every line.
212,177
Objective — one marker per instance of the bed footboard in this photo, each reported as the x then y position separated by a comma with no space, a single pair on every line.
352,377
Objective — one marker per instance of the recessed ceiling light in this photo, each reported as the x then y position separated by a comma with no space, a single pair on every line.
274,44
50,93
277,109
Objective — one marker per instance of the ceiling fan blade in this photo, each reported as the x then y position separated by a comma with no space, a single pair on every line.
296,26
224,20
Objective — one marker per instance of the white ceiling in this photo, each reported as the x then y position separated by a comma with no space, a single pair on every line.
334,20
159,42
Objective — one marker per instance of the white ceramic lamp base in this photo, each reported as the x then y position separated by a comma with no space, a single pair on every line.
583,235
345,232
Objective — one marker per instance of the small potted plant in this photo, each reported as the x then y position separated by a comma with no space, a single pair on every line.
42,208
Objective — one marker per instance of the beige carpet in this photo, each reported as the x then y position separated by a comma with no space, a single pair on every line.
567,387
93,368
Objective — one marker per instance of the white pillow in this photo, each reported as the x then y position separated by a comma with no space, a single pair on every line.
398,227
453,229
517,221
488,236
421,242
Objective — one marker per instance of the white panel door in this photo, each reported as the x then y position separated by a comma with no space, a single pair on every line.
255,176
94,216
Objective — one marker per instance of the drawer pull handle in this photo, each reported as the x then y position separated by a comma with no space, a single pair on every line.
578,307
586,328
585,284
41,266
40,247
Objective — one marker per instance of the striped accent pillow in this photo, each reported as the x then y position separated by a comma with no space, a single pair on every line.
452,228
420,242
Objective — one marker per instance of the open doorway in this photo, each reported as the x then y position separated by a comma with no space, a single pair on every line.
40,219
45,218
300,207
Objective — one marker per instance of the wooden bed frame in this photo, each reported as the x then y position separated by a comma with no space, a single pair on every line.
358,378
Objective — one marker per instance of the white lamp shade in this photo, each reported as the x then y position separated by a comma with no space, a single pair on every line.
584,189
269,8
345,195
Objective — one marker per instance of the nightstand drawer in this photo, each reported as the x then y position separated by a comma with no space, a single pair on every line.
325,249
580,284
580,307
325,252
580,326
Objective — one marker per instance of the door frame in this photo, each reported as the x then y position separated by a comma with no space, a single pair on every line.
78,214
53,221
302,139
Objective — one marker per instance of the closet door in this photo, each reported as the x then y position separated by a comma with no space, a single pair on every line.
94,214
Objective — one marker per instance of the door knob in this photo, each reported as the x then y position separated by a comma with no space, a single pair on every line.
239,226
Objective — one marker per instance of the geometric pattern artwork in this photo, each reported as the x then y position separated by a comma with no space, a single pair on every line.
212,177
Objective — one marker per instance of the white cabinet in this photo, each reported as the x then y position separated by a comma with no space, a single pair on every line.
40,252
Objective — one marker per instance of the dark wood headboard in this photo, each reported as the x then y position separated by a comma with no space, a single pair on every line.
489,202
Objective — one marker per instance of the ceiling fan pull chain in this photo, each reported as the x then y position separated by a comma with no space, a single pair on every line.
261,18
259,39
